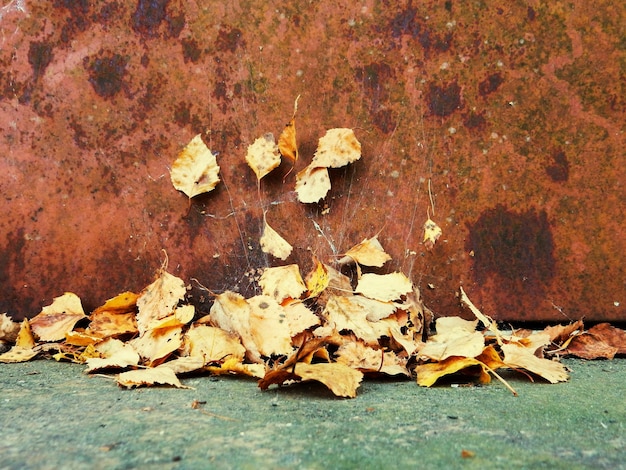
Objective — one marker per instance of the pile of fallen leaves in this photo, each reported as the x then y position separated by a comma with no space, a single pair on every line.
328,326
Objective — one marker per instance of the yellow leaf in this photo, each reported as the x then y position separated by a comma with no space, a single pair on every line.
299,317
25,336
346,313
263,156
282,282
115,355
367,253
432,232
384,287
81,338
455,337
269,326
317,280
109,323
272,243
234,366
159,375
428,374
337,148
19,354
212,344
58,318
312,184
231,312
122,303
155,345
195,170
159,299
341,379
181,316
8,328
518,356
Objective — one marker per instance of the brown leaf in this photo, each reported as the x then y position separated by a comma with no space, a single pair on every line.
589,346
156,345
610,335
58,318
368,360
341,379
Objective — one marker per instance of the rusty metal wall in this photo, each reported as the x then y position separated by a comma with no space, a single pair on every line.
514,111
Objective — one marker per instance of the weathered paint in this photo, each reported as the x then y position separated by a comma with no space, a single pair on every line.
513,112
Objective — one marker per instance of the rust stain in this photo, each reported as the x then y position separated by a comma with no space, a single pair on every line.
511,111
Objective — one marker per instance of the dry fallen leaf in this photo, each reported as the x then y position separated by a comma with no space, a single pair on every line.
58,318
517,356
455,337
273,244
337,148
282,282
159,299
312,184
341,379
287,144
263,156
367,253
384,287
24,348
269,326
162,375
432,232
195,171
369,360
154,346
213,344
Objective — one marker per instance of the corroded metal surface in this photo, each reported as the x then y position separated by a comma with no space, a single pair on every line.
514,113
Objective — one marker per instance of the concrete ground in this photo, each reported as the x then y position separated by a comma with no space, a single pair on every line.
54,416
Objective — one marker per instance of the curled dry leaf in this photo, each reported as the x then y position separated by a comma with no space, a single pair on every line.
195,171
273,244
262,155
517,356
367,253
58,318
369,360
156,345
287,144
114,355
